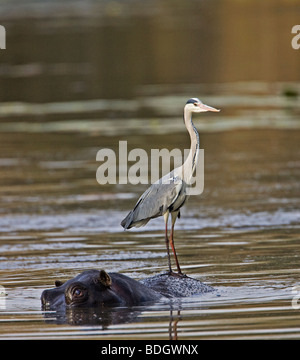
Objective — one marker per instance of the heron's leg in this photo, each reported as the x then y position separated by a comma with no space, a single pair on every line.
174,217
166,217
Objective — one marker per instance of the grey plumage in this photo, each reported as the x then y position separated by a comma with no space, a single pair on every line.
159,198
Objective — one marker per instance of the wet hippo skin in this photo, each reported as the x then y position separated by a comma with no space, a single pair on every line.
97,288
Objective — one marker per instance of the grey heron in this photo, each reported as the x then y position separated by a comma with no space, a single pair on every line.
167,195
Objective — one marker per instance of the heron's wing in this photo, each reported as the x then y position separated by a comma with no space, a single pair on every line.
154,202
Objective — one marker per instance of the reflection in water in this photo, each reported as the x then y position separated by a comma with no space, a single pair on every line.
104,318
104,321
77,77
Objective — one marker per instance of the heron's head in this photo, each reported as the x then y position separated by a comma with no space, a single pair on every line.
195,105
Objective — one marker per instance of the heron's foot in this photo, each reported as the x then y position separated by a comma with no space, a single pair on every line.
176,274
180,275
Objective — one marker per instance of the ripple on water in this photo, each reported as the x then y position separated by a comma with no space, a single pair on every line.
109,221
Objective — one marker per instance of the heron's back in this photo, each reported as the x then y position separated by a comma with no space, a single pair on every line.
155,201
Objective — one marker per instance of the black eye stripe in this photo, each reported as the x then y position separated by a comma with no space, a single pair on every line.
192,101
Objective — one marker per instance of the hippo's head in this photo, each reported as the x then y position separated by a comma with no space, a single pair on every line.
94,288
88,289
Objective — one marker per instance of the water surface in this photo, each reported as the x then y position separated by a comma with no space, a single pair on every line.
240,236
77,78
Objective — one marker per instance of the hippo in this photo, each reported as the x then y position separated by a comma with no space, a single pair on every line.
99,289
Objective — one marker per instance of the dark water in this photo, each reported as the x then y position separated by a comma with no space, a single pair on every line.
240,236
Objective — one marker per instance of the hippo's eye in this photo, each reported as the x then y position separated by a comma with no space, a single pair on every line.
76,293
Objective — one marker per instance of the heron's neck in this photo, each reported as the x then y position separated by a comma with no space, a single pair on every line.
190,163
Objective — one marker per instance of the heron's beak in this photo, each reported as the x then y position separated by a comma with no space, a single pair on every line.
207,108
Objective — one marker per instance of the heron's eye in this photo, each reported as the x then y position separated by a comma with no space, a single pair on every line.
195,104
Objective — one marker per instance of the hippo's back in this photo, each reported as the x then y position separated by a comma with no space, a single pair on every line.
176,286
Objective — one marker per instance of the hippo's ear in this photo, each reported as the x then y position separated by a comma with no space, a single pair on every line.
104,278
58,283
